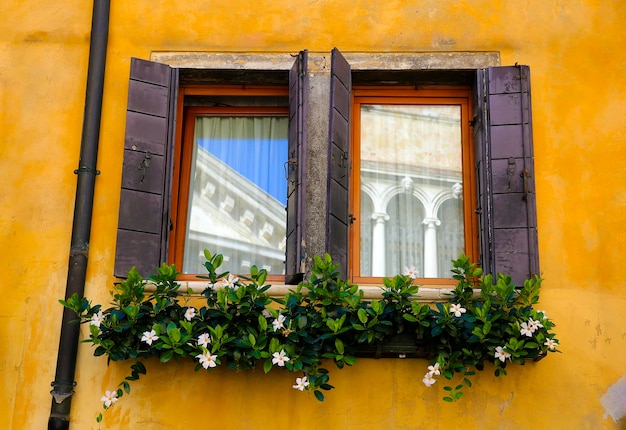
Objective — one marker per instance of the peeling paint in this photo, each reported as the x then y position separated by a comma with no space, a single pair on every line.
506,403
614,400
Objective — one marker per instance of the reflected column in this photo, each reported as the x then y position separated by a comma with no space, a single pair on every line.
430,247
379,250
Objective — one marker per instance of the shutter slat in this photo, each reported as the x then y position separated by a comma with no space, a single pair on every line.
296,175
137,243
337,224
143,223
148,98
145,133
505,173
142,70
146,204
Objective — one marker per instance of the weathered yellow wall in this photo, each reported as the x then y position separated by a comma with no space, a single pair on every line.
575,51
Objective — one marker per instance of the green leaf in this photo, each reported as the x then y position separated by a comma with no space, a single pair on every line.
376,307
319,395
167,356
302,321
173,333
362,314
267,366
339,346
139,367
262,277
487,327
409,317
349,360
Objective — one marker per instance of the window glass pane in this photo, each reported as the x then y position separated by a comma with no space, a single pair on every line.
238,193
411,189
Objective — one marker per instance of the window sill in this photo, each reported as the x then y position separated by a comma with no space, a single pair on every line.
427,294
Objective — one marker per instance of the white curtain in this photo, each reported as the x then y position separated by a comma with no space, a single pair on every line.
238,193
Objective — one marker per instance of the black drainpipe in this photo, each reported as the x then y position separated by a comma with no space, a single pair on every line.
63,384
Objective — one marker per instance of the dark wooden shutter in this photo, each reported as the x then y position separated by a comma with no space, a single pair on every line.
143,224
296,177
505,173
338,217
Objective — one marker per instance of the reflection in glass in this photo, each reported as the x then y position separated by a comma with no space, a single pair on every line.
238,193
411,173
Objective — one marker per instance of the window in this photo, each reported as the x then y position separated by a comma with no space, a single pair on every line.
411,181
493,194
505,233
165,215
230,189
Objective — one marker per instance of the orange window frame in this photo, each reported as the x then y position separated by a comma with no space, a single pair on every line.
461,96
183,151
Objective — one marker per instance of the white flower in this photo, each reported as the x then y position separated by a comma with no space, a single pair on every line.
301,383
501,354
278,322
280,358
411,272
204,339
534,324
109,398
96,319
526,329
551,343
428,379
434,369
190,313
456,309
207,360
149,337
231,282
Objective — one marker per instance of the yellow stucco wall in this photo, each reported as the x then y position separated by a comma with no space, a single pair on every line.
575,51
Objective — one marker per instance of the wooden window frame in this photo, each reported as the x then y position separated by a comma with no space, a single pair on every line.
461,96
183,155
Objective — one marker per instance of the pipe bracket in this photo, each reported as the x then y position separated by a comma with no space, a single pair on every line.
83,169
63,395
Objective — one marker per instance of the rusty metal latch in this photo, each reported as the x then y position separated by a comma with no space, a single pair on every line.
510,171
145,164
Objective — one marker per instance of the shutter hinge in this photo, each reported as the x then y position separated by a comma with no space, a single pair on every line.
525,176
288,167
